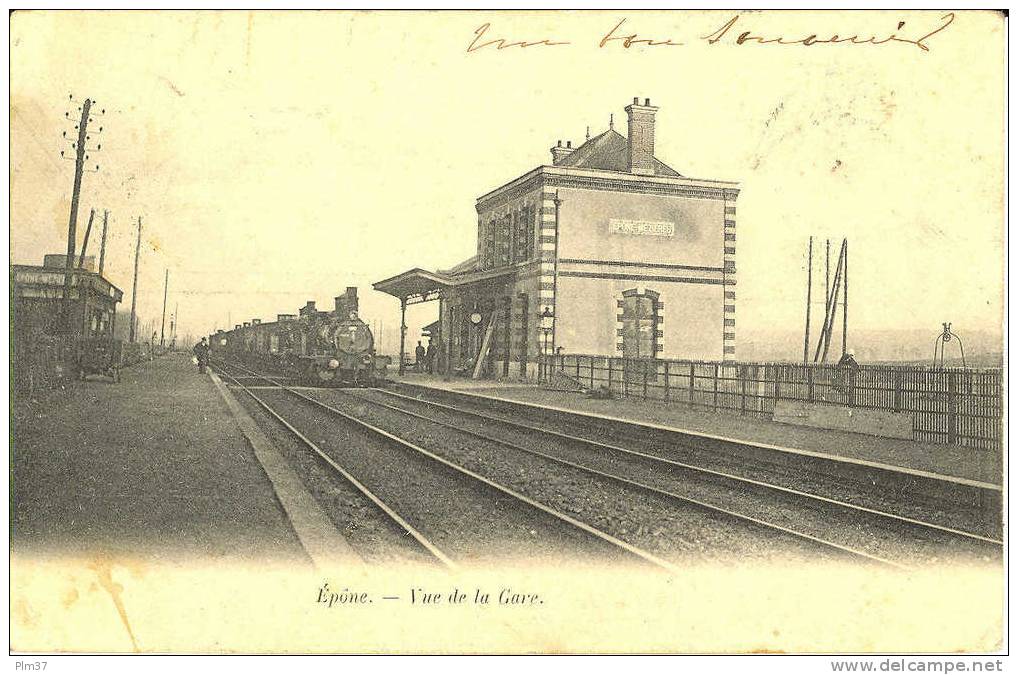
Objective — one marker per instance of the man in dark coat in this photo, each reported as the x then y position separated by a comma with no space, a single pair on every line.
848,360
844,376
420,353
202,353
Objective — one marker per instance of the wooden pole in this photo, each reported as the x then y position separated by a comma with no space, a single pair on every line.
72,224
829,313
134,291
102,245
809,293
827,275
162,327
84,243
825,336
844,303
832,308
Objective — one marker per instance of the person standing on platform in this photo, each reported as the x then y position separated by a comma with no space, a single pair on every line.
420,353
429,357
848,360
844,375
202,353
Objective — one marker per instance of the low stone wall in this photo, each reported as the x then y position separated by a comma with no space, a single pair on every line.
843,418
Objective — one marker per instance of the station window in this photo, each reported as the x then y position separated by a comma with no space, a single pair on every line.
490,245
524,237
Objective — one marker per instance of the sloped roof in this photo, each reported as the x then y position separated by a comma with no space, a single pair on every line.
425,285
609,152
468,265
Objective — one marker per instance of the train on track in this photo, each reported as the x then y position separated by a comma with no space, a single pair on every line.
314,346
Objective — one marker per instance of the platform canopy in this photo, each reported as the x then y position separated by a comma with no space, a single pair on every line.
417,285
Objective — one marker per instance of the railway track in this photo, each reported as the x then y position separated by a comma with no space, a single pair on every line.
671,451
955,503
457,515
617,452
827,524
831,525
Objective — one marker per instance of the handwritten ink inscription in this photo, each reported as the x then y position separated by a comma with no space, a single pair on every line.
731,32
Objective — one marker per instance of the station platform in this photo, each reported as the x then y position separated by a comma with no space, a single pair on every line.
152,468
949,461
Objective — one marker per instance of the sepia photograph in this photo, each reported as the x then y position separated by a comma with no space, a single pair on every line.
508,332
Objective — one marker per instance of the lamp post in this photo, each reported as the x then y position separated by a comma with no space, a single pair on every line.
547,324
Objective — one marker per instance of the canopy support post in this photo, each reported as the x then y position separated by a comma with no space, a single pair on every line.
402,336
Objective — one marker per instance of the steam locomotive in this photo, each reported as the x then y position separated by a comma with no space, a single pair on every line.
317,347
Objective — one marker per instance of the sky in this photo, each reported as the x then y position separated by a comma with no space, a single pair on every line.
278,157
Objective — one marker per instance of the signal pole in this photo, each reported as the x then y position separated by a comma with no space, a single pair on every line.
162,328
134,291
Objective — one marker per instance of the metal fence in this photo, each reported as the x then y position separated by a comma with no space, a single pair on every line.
957,406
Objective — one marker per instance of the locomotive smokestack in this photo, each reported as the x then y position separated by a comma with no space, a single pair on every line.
347,302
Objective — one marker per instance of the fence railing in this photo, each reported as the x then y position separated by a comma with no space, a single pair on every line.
957,406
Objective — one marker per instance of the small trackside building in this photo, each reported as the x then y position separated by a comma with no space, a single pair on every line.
606,251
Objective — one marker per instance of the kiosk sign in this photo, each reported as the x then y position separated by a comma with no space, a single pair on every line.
650,228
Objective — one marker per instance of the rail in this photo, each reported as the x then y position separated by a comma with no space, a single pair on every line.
956,406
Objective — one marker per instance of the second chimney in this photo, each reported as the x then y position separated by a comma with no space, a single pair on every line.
641,137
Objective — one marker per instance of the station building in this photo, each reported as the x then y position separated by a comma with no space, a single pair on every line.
606,251
50,299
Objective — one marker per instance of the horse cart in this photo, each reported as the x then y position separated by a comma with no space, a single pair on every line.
100,356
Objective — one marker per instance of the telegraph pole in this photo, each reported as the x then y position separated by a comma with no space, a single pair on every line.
134,291
102,245
162,328
72,225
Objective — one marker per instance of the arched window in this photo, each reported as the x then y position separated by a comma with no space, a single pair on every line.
639,324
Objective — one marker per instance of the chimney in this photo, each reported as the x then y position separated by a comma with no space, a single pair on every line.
255,322
60,260
558,153
237,327
641,137
247,324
